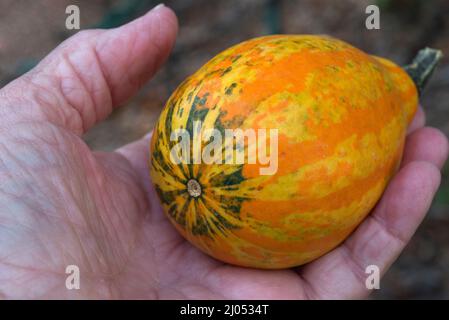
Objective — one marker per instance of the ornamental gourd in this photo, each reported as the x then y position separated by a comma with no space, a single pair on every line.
340,117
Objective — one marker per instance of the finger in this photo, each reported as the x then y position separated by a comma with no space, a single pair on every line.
379,239
82,80
418,121
426,144
137,153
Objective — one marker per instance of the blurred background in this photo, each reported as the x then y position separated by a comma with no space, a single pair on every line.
30,29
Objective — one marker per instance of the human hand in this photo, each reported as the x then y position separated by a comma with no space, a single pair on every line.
64,204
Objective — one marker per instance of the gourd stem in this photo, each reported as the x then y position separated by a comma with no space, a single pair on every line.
422,66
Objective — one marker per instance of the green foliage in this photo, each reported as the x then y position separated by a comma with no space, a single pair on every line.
24,66
384,4
273,17
442,196
124,12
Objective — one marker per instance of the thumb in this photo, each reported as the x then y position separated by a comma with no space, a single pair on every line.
89,74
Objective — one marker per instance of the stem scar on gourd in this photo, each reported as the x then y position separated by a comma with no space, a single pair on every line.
194,188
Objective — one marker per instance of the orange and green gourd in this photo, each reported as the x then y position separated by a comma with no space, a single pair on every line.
341,117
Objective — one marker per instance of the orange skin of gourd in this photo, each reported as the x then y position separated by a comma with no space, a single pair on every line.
341,116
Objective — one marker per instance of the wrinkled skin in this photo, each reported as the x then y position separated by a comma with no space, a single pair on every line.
62,203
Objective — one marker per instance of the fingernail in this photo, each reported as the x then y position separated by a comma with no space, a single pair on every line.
159,6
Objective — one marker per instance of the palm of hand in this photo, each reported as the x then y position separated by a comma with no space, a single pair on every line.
96,211
62,204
